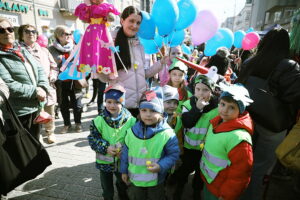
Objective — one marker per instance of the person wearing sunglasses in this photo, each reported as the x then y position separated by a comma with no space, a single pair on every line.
24,77
67,94
28,39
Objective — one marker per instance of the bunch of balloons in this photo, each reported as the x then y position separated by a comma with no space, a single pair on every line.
166,23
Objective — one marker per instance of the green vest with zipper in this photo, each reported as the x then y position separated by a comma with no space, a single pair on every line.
141,151
216,149
193,137
115,137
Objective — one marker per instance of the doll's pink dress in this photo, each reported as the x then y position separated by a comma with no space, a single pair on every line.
95,52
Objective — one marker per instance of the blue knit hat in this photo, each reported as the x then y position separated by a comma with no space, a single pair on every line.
238,93
116,92
153,99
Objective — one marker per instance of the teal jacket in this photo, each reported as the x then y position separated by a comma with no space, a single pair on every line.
22,90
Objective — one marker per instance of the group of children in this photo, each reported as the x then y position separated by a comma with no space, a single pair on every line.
209,135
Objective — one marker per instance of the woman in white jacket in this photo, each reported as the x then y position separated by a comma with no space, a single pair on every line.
133,56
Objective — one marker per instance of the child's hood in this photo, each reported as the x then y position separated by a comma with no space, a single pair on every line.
141,131
244,121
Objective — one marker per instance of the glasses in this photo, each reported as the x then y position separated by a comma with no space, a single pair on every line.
67,34
30,31
9,29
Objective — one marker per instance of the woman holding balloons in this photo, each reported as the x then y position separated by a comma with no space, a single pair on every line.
28,39
131,55
270,64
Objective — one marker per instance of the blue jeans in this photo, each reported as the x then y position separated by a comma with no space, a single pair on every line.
107,184
264,144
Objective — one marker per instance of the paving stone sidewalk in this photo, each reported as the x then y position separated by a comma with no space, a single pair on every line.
72,175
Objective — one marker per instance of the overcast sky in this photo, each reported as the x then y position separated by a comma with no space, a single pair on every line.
222,8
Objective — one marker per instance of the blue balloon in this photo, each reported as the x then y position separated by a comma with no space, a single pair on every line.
238,38
251,29
227,37
210,48
77,35
176,38
165,14
147,27
186,49
152,46
187,14
223,38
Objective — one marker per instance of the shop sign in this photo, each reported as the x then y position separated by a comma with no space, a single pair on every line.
14,7
43,13
12,18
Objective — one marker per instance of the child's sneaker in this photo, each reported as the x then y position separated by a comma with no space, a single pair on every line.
65,129
78,128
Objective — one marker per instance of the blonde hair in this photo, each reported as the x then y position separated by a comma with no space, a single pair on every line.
3,19
59,31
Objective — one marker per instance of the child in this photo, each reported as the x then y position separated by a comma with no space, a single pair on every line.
171,100
195,119
177,72
107,137
150,150
174,52
227,156
95,52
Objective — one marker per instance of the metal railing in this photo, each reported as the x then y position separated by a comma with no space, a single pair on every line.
69,5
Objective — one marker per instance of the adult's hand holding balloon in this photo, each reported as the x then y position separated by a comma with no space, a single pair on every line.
250,41
204,27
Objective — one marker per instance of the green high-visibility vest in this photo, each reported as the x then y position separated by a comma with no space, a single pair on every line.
115,136
193,137
141,151
180,103
178,125
215,153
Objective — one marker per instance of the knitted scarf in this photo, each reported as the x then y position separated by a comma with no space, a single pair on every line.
13,48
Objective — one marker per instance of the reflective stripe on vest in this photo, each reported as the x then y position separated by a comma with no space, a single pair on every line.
102,157
191,142
195,136
198,131
216,149
209,172
143,177
142,150
141,161
113,135
214,160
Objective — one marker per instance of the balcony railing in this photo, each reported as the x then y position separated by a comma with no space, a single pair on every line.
68,6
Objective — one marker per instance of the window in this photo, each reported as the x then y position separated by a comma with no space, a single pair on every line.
277,16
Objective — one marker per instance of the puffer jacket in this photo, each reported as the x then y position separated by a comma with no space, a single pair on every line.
50,67
134,81
22,90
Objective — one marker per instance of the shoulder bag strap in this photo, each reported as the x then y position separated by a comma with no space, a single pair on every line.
12,115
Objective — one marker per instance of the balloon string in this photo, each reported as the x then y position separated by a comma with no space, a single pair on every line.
242,53
158,48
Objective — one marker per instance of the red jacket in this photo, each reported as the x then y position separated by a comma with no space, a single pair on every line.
233,180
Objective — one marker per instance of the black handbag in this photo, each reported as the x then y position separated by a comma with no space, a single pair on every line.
267,109
22,157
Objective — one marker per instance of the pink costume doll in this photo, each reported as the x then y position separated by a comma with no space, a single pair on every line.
95,49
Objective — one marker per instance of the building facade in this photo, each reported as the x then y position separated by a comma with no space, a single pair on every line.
47,14
268,13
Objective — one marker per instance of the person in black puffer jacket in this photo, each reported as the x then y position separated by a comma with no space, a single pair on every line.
271,63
